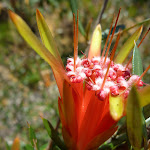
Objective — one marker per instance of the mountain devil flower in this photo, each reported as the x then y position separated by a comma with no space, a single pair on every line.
93,89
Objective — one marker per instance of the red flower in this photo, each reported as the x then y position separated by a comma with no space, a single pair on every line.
93,90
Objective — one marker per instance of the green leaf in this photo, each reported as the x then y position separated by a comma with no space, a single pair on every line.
134,119
33,138
46,36
53,134
127,47
51,46
28,147
116,107
44,147
95,46
138,24
48,127
74,8
137,67
7,146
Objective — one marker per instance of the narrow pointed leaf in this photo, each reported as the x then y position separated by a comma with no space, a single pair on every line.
29,36
28,147
138,24
33,138
7,146
74,8
16,144
137,67
87,29
134,119
33,41
95,46
144,94
46,36
127,29
44,147
116,107
53,134
127,47
49,43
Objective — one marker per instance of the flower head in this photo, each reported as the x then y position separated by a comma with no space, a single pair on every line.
92,89
118,78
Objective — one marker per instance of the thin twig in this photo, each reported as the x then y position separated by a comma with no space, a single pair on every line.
101,13
97,22
56,128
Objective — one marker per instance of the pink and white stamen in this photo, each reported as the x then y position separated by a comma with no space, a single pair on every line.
92,72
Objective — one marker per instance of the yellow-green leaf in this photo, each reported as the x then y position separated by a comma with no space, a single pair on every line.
16,144
128,45
134,119
46,36
95,46
49,43
33,41
116,107
144,94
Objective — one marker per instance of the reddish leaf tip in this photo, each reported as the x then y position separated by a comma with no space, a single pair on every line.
11,15
10,12
17,139
38,13
41,116
16,144
28,124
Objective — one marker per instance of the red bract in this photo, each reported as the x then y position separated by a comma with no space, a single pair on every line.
93,90
84,107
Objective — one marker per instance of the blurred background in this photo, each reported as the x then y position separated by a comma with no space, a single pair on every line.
27,86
